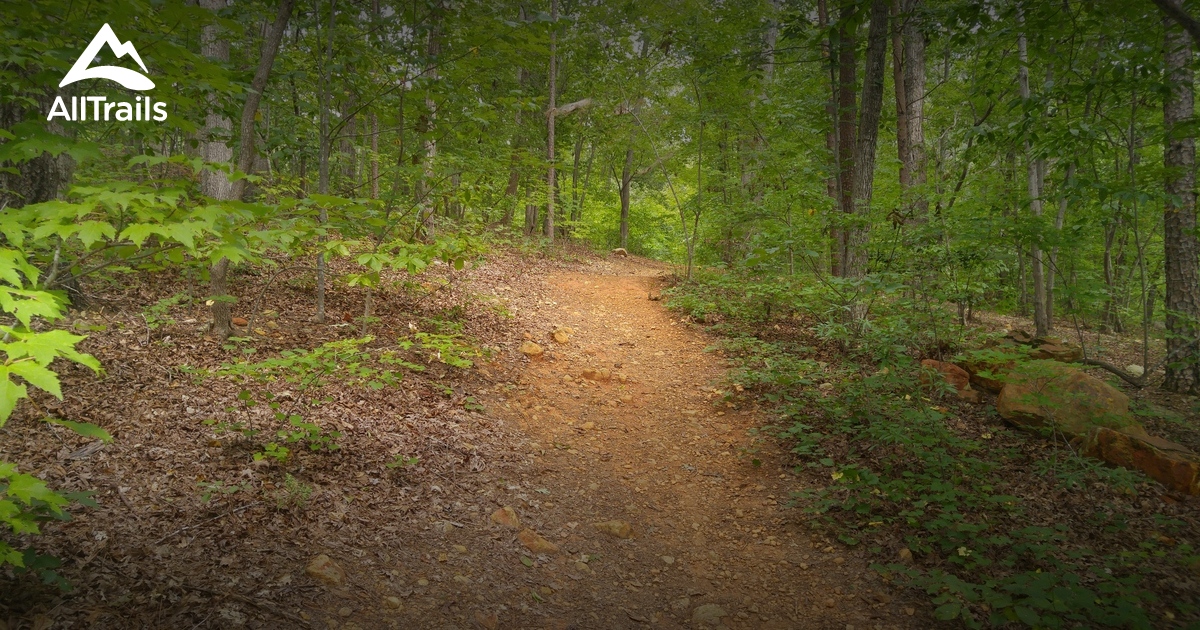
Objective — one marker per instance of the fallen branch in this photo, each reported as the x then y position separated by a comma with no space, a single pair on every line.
207,521
270,607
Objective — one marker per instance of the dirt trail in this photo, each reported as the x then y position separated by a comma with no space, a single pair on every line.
655,445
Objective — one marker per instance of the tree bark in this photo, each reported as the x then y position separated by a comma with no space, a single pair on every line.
847,94
831,143
1180,243
550,119
425,191
215,184
908,54
266,60
323,158
1041,320
858,234
626,178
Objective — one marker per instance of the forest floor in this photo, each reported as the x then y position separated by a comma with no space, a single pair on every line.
192,532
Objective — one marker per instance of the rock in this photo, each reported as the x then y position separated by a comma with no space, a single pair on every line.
655,296
668,559
957,377
906,555
562,335
489,621
620,529
1020,336
1135,369
1170,464
973,396
392,602
1057,352
535,543
531,350
620,251
506,517
1048,394
952,374
995,367
323,568
240,321
681,604
603,374
708,613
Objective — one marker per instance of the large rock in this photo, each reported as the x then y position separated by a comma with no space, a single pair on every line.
955,376
987,371
1057,352
1050,395
1170,464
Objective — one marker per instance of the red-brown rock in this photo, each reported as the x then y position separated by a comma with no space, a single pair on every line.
1170,464
955,376
1057,352
1048,394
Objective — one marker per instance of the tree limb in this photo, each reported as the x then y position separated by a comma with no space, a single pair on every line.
1175,11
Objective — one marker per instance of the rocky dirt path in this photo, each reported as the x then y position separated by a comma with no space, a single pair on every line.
629,428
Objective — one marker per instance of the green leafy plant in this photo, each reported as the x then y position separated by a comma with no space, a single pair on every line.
294,494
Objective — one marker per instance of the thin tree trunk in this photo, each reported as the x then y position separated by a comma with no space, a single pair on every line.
914,94
323,158
898,50
587,177
832,185
1181,246
626,178
215,184
575,178
425,201
550,119
1058,225
1041,321
847,94
868,135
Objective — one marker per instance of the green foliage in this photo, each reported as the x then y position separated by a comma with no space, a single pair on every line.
349,361
26,501
897,466
293,495
158,314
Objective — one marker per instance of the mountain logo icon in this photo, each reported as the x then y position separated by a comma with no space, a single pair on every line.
130,79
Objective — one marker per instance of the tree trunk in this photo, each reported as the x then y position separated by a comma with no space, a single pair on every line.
847,94
323,158
425,202
514,168
550,119
626,178
577,156
910,98
214,184
868,134
1059,219
1041,320
266,60
831,144
1180,243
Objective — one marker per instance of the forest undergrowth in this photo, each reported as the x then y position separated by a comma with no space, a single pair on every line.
995,525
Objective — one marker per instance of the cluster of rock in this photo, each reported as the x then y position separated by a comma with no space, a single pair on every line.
1047,394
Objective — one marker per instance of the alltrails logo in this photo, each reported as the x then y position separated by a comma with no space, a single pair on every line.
101,108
